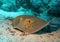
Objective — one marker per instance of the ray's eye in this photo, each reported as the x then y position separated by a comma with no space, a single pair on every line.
29,21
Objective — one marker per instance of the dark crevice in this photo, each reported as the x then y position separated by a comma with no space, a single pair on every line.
18,29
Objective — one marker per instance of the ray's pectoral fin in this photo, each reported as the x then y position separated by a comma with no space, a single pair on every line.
18,29
23,33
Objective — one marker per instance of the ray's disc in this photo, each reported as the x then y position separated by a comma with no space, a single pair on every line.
28,23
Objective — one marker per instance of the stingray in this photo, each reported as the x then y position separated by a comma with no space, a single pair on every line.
30,24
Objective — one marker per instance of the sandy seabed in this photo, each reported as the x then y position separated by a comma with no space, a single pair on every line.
8,34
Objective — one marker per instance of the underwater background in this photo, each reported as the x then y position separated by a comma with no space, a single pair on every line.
44,9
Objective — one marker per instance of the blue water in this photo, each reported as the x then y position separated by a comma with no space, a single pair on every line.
15,8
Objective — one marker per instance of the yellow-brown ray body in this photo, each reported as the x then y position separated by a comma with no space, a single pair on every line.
28,23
